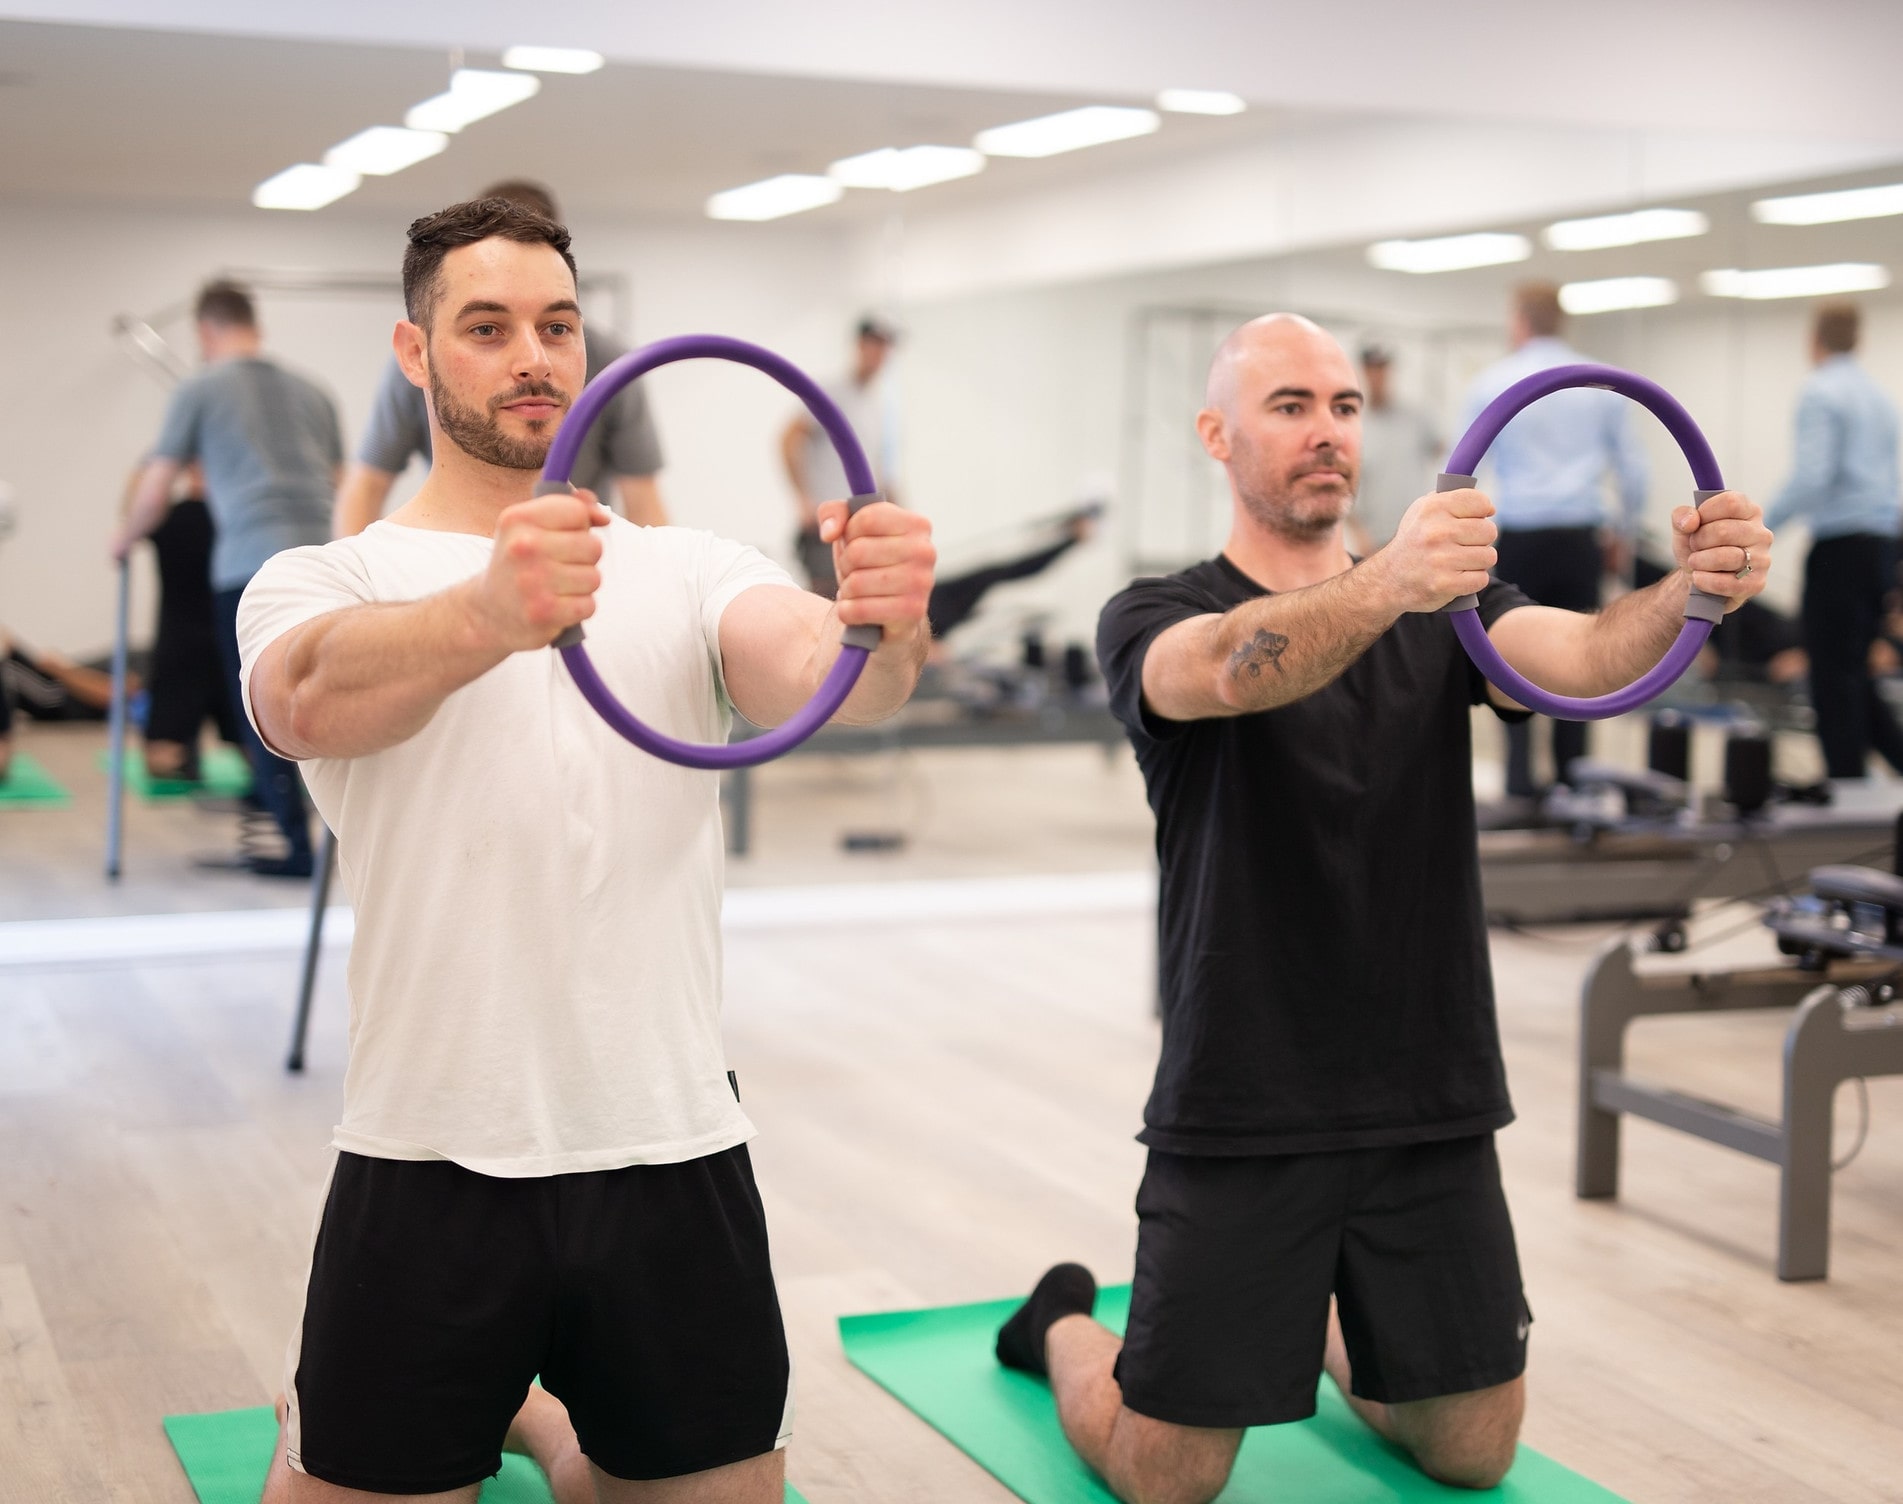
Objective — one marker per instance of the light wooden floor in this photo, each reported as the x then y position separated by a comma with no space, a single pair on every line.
944,1109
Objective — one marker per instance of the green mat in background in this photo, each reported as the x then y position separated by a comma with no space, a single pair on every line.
226,1456
940,1364
29,786
226,774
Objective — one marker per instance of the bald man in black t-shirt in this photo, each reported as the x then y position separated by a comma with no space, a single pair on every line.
1322,1188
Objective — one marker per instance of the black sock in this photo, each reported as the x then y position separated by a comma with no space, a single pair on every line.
1065,1290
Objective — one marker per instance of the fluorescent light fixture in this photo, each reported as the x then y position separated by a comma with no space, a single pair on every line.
774,198
1201,102
1048,135
553,59
1449,253
1829,208
305,186
1609,294
384,149
474,93
1796,281
903,170
1641,225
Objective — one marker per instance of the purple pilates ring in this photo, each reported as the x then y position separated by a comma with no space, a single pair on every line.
1702,611
858,642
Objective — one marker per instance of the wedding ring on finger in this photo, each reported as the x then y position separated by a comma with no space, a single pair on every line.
1741,573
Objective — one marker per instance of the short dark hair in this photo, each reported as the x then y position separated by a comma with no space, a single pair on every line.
1837,327
226,304
874,327
527,193
1538,306
435,235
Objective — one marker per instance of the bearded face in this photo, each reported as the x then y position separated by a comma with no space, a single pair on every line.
480,435
1299,495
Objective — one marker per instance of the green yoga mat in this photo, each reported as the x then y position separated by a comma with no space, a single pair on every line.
225,771
29,786
940,1364
226,1456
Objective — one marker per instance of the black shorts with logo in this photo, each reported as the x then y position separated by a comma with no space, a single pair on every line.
1237,1259
643,1297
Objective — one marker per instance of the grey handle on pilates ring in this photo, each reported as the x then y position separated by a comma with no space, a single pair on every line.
866,637
1701,605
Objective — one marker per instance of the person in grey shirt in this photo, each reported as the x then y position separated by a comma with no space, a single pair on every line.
271,449
619,459
1844,484
1398,451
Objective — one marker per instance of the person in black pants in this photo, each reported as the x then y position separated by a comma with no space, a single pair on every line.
1547,473
1844,484
1322,1189
271,449
185,683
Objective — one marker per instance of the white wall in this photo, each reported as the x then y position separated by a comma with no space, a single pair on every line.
76,413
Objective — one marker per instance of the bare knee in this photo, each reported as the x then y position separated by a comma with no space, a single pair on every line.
1153,1462
1465,1440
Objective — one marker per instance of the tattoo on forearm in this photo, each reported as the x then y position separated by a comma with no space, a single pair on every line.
1265,647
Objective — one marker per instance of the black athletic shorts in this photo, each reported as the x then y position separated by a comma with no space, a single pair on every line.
642,1296
1237,1257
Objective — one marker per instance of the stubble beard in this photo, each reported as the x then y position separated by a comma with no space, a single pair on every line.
1284,507
480,436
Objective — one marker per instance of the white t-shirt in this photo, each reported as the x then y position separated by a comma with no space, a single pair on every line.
536,977
870,411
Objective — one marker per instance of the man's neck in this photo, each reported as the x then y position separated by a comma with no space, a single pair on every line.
463,494
1277,562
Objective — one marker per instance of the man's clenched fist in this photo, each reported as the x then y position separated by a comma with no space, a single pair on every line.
542,578
884,557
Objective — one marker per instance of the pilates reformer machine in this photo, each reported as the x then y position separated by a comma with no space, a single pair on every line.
1838,965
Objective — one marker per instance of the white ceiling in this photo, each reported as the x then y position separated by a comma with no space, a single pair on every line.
172,118
1824,69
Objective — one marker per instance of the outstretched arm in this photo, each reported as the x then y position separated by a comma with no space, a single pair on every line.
1284,647
777,643
1575,653
367,677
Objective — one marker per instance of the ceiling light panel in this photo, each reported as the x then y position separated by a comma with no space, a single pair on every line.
553,59
774,198
305,186
1201,102
1449,253
902,170
474,94
1796,281
384,149
1046,136
1610,294
1830,208
1609,230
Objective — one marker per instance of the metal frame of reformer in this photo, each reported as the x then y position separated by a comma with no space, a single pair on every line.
1831,1039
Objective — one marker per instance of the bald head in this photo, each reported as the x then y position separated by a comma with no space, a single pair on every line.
1259,348
1282,414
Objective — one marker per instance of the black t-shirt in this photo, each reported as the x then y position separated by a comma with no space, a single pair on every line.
1323,946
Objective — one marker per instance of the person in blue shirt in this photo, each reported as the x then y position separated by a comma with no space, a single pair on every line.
1547,472
1844,485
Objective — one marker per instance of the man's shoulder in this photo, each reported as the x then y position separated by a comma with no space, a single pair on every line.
1198,590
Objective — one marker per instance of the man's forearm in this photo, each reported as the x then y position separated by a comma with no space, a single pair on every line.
1284,647
888,679
1584,654
366,678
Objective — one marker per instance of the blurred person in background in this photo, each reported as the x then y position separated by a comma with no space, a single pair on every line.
814,469
271,451
1549,467
1843,483
1399,449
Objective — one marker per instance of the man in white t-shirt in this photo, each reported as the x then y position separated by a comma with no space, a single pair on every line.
541,1165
